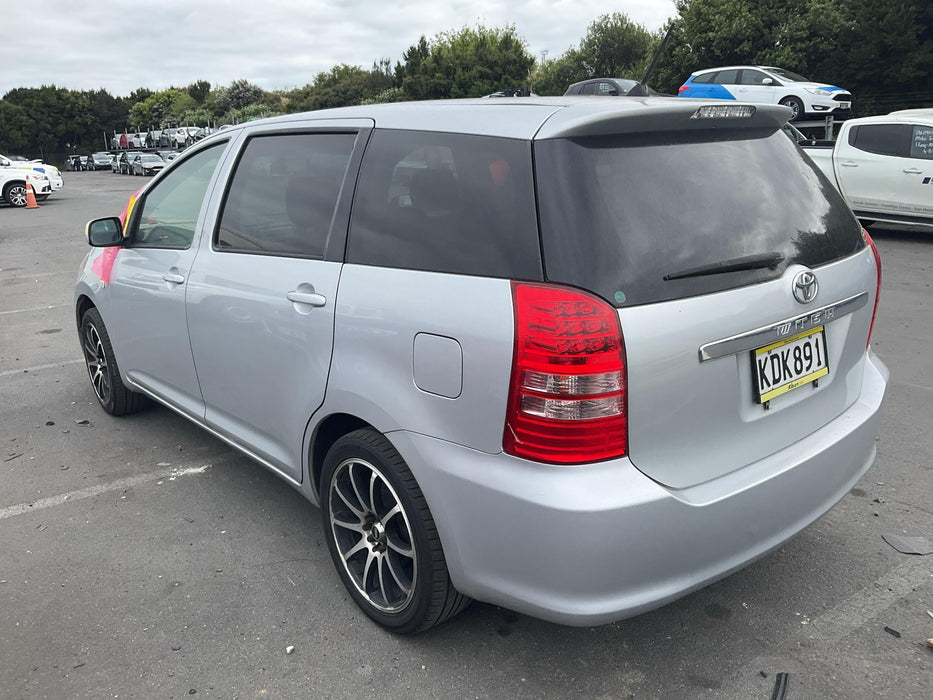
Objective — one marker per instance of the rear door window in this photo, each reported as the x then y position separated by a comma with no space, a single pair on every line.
727,77
446,203
621,213
283,194
883,139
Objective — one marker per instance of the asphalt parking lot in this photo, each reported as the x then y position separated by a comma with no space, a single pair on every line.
140,557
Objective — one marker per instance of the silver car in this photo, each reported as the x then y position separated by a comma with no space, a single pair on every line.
573,357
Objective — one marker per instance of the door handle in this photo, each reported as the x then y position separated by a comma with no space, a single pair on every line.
913,171
306,298
173,278
849,164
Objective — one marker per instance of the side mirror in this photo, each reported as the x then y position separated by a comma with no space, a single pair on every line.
767,81
104,233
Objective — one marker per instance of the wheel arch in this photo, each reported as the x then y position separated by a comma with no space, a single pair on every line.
326,433
82,304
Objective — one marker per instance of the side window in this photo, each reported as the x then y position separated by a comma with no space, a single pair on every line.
883,139
752,77
727,77
169,212
607,89
283,194
590,89
446,203
704,78
921,142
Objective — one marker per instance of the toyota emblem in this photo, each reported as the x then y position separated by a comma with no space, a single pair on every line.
805,287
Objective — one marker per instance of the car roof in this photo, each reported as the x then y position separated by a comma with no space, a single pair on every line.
921,112
710,70
521,118
902,115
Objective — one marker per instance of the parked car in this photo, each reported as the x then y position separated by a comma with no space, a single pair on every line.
167,138
51,174
500,347
147,164
771,86
154,138
115,163
75,162
883,166
125,162
13,184
605,87
99,161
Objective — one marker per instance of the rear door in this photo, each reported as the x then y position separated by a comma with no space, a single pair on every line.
707,248
262,296
872,168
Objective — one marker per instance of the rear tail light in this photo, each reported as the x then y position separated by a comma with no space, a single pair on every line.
567,397
682,89
877,255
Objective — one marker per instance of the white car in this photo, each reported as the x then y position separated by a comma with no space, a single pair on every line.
184,135
883,165
50,173
769,85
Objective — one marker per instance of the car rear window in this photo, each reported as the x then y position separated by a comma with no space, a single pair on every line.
620,213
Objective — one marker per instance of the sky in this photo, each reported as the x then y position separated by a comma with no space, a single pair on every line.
121,45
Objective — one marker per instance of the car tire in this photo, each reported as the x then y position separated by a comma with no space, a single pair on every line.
382,536
15,194
102,368
796,107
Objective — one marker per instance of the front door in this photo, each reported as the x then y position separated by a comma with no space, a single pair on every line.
148,282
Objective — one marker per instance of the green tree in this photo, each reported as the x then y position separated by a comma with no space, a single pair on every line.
199,90
160,108
614,47
470,62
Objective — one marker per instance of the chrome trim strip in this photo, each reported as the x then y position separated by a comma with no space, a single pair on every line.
782,329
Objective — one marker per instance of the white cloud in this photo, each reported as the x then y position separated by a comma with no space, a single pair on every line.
121,45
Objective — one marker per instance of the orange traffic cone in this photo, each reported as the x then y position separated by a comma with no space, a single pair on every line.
31,202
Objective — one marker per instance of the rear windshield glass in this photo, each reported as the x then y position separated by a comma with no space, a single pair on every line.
621,213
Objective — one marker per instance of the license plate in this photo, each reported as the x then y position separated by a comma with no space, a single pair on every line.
845,105
789,364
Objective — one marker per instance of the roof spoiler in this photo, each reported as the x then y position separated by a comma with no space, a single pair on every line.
641,89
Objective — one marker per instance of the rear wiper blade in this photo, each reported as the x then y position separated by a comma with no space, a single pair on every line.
749,262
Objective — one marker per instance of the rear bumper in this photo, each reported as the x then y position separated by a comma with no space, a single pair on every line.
597,543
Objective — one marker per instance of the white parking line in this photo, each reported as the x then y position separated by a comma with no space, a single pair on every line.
31,308
119,484
51,365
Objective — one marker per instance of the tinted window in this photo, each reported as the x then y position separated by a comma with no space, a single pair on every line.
704,78
169,213
753,77
283,193
620,213
884,139
727,77
607,89
589,89
921,142
446,203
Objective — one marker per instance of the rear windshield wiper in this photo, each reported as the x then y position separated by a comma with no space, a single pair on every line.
749,262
